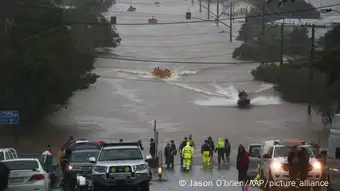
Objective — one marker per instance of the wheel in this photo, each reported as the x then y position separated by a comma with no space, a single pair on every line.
144,186
98,187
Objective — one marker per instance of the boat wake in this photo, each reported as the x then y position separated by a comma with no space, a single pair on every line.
228,97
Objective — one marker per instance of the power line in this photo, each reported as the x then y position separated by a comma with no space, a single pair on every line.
200,21
160,80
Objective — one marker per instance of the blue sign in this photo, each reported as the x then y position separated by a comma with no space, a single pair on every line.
9,117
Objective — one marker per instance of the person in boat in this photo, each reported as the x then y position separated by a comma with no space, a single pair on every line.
131,8
242,94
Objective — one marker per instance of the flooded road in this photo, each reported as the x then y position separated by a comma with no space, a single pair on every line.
200,99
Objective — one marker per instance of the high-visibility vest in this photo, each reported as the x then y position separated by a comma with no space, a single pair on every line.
187,152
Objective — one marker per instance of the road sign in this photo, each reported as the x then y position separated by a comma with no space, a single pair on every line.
9,117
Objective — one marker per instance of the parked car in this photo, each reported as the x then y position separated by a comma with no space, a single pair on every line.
27,174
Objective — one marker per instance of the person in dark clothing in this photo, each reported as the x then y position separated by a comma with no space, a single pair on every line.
120,140
152,149
298,161
181,146
242,163
173,152
4,176
227,150
242,94
140,145
205,151
67,177
169,153
212,146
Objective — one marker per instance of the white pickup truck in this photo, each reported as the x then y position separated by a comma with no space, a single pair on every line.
8,153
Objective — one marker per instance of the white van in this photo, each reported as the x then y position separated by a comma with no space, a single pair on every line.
333,153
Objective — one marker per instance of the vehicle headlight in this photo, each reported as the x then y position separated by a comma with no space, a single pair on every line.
100,169
316,165
140,167
276,166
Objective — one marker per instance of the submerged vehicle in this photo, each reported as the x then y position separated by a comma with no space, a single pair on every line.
132,8
152,20
161,73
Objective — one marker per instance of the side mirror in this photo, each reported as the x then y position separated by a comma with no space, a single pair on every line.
337,153
92,160
148,157
266,156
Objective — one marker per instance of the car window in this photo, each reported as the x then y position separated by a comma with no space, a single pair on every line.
254,148
83,156
121,154
21,165
284,151
2,157
270,152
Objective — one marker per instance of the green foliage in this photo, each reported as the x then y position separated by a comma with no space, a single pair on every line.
252,28
295,43
294,82
38,75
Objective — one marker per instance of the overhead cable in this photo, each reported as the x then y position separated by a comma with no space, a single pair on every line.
202,21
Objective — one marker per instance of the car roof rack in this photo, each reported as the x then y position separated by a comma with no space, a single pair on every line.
121,144
85,146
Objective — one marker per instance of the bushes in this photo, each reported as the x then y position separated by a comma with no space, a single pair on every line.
292,81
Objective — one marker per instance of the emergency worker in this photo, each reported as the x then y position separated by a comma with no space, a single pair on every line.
61,155
220,149
205,151
191,141
187,154
258,176
181,146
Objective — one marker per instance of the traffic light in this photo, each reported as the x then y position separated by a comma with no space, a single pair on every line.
188,15
113,20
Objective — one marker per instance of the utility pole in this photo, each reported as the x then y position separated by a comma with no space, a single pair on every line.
208,9
281,47
200,5
263,27
246,25
311,75
231,21
218,12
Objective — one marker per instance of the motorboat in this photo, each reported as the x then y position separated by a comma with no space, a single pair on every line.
243,102
162,73
152,20
157,3
131,9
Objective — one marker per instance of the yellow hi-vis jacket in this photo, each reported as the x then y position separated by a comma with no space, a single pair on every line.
258,176
187,151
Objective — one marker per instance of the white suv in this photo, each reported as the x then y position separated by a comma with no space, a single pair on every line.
274,164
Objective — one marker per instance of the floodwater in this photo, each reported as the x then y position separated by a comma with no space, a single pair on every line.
200,99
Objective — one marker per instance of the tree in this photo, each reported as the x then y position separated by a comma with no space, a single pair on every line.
39,75
272,13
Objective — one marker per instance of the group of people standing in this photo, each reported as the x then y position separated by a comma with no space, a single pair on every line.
222,148
187,148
